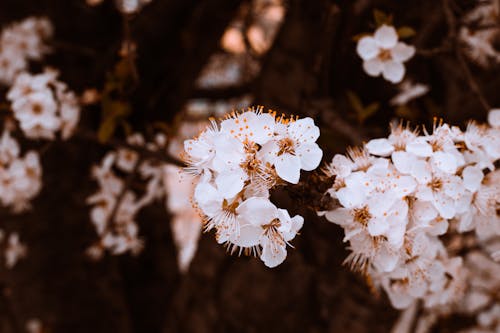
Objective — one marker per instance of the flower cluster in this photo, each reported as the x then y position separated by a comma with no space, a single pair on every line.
43,105
399,194
115,205
20,176
238,163
383,54
21,42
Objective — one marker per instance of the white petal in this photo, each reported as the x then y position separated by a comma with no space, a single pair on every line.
393,71
262,128
288,168
421,170
380,204
350,197
340,216
473,176
303,130
377,226
268,152
342,166
208,198
230,182
380,147
445,162
386,260
419,147
404,186
367,48
403,161
373,67
445,205
310,156
257,211
494,118
249,235
402,52
271,255
423,211
386,36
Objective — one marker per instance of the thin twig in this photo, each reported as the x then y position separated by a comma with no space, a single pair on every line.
129,50
143,152
126,186
471,81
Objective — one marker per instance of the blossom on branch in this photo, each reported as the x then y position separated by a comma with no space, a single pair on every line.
237,163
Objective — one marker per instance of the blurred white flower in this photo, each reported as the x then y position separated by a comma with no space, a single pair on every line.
20,42
409,91
43,105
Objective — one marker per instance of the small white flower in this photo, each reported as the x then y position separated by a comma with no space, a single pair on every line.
383,54
272,228
294,149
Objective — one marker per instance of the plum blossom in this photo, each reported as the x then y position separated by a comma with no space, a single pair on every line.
236,164
21,42
43,105
383,54
397,195
114,205
20,176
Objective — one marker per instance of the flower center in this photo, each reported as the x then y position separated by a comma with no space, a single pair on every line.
286,146
37,108
436,184
385,55
362,215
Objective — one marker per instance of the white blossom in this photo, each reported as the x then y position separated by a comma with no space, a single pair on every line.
383,54
237,164
43,105
21,42
398,195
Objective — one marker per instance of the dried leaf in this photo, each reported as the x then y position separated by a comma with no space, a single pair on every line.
406,32
381,18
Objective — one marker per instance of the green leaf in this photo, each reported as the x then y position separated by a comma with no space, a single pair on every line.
406,32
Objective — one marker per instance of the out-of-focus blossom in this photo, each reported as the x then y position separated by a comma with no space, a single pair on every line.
479,33
409,91
21,42
44,105
20,176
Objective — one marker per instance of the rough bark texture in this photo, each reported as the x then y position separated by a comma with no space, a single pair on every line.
307,72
